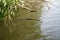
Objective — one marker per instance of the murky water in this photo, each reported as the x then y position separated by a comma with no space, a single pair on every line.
51,21
23,28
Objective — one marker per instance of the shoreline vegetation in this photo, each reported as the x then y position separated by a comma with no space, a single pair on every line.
9,8
27,27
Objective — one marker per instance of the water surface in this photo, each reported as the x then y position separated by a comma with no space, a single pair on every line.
51,21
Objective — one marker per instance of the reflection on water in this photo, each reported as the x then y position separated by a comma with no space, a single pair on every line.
51,22
25,30
17,29
32,29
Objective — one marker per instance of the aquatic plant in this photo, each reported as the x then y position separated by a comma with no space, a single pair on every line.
24,29
10,7
6,8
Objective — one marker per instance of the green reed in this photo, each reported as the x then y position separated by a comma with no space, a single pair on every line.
18,29
7,9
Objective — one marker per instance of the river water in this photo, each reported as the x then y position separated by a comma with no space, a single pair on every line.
51,21
25,26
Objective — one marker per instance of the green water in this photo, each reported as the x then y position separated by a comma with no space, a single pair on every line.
17,29
25,25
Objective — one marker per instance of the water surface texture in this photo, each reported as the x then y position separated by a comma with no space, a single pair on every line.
51,21
26,25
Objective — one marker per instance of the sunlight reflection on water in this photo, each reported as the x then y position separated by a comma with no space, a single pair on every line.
51,22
